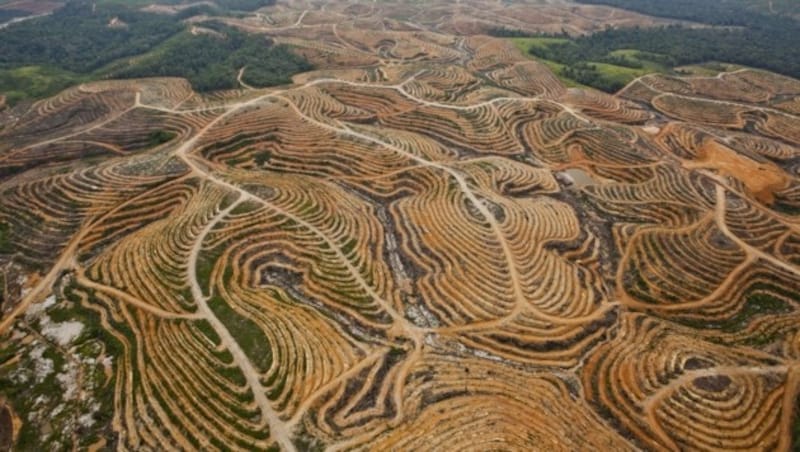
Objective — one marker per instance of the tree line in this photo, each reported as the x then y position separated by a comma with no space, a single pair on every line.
677,45
740,35
212,62
77,41
742,13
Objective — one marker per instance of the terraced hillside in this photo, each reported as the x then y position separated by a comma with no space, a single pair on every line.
430,243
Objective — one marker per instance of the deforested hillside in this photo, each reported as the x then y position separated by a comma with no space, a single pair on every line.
429,241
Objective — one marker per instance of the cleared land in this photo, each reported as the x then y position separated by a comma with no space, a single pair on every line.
428,243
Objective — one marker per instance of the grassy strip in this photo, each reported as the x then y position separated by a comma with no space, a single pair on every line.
34,82
526,44
247,333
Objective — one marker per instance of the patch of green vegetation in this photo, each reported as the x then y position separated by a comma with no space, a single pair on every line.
262,158
231,372
162,398
603,76
277,389
610,59
41,393
77,42
598,75
786,209
205,265
308,443
159,137
212,62
761,37
637,59
247,333
526,44
760,301
244,208
80,46
208,331
707,69
757,303
608,72
78,37
235,376
616,76
761,340
92,325
349,247
32,82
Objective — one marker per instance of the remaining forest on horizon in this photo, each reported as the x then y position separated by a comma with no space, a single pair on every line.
740,32
88,41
